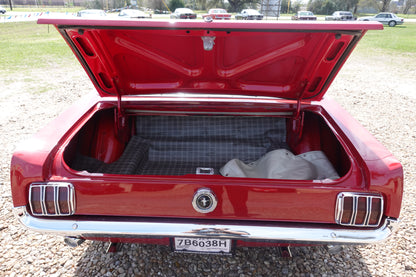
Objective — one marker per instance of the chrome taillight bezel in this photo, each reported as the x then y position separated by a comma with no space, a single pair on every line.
356,197
57,188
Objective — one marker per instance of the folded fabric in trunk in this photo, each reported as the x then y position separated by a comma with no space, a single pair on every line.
282,164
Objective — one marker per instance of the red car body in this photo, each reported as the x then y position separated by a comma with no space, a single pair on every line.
218,14
200,74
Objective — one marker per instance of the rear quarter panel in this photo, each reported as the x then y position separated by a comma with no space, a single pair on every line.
33,158
382,172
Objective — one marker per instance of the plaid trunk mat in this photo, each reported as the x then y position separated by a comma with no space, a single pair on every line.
178,145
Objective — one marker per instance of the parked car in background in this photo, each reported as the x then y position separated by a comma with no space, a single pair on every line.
133,13
249,14
157,11
217,14
91,13
191,143
386,18
183,13
304,15
2,10
340,16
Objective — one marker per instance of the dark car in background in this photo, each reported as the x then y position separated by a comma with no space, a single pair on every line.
183,13
249,14
2,10
340,16
304,15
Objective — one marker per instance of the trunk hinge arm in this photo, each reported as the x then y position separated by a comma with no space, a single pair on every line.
297,123
120,117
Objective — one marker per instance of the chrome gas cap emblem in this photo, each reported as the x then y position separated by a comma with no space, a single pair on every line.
204,201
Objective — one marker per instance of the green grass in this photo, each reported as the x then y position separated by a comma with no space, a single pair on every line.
395,40
27,45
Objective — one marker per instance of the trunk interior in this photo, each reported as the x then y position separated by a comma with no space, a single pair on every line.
200,144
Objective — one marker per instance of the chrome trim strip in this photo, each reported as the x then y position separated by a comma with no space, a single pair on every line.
135,111
56,199
314,235
354,212
43,200
339,209
381,208
369,205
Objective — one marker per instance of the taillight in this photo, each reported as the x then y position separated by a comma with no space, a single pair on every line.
359,209
52,199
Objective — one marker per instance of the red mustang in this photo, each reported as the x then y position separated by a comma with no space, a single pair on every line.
217,14
208,136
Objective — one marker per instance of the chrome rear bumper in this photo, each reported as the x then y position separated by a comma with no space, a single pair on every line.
272,233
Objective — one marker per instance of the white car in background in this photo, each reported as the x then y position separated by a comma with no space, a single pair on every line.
340,16
2,10
91,13
133,13
386,18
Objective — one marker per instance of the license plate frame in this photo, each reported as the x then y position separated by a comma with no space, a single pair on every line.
201,245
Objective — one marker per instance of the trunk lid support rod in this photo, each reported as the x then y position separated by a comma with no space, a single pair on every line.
120,117
297,123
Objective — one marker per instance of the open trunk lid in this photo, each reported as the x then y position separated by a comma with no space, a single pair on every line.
284,60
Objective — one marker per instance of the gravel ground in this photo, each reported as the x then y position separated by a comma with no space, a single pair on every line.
382,101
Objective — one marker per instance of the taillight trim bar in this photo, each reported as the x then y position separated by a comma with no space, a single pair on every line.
70,199
339,209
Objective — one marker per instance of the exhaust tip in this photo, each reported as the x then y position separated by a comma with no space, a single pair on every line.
73,242
334,249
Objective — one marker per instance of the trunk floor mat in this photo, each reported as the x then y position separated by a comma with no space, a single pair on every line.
178,145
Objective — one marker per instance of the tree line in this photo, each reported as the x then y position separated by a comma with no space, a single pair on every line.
329,6
289,6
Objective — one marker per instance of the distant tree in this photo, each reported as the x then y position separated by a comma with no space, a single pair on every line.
329,6
284,8
294,6
407,5
174,4
201,5
156,5
215,4
238,5
322,6
367,5
230,5
96,4
382,5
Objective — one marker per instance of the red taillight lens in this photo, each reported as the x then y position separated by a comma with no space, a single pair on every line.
63,202
361,213
52,199
359,209
49,200
347,210
376,211
35,200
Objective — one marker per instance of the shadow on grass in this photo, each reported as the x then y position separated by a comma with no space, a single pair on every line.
151,260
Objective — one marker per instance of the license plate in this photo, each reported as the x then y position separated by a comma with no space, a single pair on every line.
203,245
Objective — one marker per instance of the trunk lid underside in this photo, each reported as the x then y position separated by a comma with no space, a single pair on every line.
291,61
